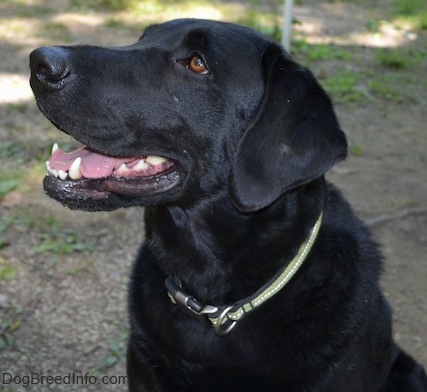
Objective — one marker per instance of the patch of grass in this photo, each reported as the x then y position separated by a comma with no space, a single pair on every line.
373,25
118,5
114,23
413,11
18,107
409,7
10,179
361,2
113,357
355,149
110,5
343,87
10,150
5,222
7,186
317,52
399,58
267,24
58,240
7,327
116,349
395,58
134,28
397,87
383,88
82,268
422,20
34,11
55,31
61,241
7,272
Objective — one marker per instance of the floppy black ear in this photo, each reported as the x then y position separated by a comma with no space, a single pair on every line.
294,138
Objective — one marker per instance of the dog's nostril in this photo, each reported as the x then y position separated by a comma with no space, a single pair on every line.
52,71
42,72
49,65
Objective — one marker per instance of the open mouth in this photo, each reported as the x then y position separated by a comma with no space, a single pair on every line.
87,174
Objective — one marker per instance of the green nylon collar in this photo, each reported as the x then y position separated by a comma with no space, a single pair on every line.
225,318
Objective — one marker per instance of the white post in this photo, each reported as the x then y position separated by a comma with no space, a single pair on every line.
287,24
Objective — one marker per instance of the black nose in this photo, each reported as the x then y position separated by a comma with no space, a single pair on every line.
49,68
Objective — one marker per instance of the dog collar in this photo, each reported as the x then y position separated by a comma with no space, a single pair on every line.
224,318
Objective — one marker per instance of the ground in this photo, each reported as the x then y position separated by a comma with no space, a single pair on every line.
63,274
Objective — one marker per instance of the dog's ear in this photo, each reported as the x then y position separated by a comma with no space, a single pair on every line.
294,138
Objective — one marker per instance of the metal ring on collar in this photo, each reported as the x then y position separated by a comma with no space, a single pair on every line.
221,330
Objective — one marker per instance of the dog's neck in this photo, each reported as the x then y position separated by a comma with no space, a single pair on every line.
222,255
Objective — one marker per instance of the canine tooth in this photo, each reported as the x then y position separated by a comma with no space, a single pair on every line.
55,173
62,174
155,160
74,171
55,147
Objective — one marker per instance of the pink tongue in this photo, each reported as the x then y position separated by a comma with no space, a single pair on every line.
93,165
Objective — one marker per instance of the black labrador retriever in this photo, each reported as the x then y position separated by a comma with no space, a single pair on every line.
255,274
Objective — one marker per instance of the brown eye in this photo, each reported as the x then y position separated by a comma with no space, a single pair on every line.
197,65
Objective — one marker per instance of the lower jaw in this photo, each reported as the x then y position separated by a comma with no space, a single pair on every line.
110,193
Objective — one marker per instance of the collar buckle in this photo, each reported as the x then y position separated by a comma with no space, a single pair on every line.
187,303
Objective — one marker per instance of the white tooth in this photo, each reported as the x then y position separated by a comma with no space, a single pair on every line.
122,168
155,160
62,174
55,173
47,165
74,171
141,165
54,148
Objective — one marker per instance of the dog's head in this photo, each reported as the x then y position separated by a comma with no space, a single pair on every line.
193,107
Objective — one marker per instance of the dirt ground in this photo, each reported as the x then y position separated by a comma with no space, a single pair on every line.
63,309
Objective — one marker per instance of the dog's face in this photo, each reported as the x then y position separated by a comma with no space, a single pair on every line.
192,107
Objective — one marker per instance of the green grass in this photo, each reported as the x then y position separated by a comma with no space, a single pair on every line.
110,5
396,58
413,11
55,31
317,52
57,239
10,179
355,149
343,87
7,272
409,7
383,89
10,150
266,23
422,20
7,327
7,186
34,11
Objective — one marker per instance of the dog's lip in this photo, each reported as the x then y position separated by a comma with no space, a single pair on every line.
98,189
89,172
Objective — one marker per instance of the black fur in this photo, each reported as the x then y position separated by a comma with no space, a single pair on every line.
252,140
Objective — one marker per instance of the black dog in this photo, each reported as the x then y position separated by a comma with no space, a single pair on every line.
255,274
